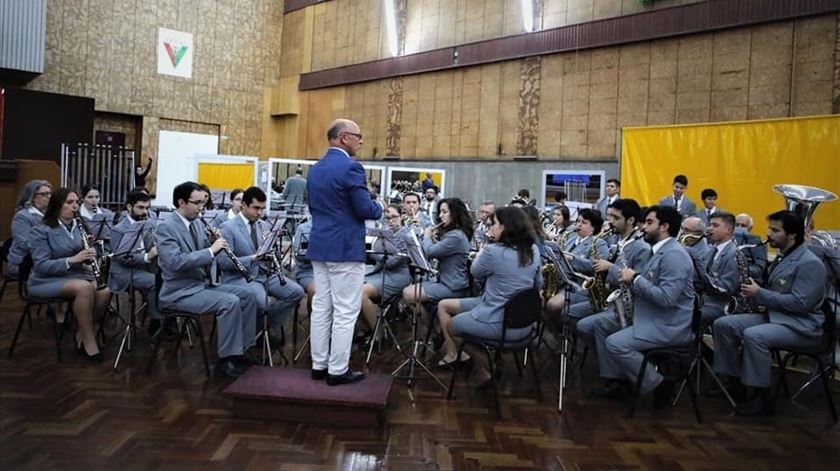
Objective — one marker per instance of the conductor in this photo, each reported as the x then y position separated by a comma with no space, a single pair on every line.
339,202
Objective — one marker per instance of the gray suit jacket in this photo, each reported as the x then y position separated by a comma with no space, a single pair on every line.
602,204
294,191
123,266
22,224
636,253
451,251
582,261
51,247
303,267
238,236
664,297
181,261
498,265
703,214
723,275
687,207
795,292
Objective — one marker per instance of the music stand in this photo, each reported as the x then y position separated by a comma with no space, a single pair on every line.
129,245
421,267
267,248
387,240
563,269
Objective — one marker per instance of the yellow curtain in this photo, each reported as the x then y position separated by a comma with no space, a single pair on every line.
740,160
226,176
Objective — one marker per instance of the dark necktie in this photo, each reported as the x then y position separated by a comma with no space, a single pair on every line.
677,204
711,259
194,235
253,225
708,214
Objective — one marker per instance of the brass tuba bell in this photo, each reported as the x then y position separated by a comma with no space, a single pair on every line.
803,200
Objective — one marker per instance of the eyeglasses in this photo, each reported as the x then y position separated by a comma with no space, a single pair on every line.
394,216
197,203
358,136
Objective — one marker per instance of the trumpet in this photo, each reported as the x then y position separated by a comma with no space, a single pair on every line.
213,235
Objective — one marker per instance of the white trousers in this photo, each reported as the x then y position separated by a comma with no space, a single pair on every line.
335,307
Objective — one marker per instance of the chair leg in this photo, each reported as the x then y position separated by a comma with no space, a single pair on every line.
198,333
153,357
516,362
3,289
827,388
780,382
637,388
537,388
455,368
25,314
58,330
693,395
492,363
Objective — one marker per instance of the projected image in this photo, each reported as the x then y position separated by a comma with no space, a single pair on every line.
575,189
415,180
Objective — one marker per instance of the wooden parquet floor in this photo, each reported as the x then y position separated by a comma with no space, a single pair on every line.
75,415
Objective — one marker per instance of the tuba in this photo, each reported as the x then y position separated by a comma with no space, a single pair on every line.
803,200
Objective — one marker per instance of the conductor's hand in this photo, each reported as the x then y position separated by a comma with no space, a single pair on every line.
750,289
152,253
601,265
220,244
626,275
83,256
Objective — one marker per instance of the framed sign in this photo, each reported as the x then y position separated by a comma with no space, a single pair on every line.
175,53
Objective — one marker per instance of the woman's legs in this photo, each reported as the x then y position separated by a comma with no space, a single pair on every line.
84,298
370,310
447,309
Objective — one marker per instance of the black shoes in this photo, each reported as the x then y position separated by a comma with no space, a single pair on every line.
663,394
318,375
229,367
614,389
348,377
95,358
758,405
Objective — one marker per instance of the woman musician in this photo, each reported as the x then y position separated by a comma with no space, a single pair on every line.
62,268
396,273
449,244
31,204
508,266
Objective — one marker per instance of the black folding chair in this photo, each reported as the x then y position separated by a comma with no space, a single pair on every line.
816,353
674,362
522,310
4,259
52,305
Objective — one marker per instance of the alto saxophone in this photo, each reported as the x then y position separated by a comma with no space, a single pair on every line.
595,286
98,275
740,303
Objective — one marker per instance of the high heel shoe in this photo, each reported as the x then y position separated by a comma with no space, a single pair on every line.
96,357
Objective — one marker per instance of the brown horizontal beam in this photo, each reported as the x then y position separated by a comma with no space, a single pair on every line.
692,18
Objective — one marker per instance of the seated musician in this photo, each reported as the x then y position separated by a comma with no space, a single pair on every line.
90,208
482,226
245,233
388,278
62,268
756,256
560,223
135,270
184,255
449,244
302,269
419,217
720,268
631,252
578,251
232,212
29,211
508,266
793,296
663,305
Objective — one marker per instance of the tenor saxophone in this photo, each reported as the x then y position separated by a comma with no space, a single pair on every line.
740,303
622,298
595,286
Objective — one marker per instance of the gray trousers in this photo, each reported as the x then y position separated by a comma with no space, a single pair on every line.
619,352
710,312
235,307
580,310
755,335
286,297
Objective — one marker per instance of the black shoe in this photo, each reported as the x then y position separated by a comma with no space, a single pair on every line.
318,375
348,377
250,358
95,358
362,338
228,368
614,389
754,407
663,394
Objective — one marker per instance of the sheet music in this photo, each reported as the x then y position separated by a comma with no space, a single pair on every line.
132,237
415,253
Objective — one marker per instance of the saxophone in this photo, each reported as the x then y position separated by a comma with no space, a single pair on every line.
595,286
740,303
98,274
622,298
551,280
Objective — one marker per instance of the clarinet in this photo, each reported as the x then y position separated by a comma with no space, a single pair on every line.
94,264
212,236
274,267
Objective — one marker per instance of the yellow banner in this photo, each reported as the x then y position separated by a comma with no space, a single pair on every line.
226,176
740,160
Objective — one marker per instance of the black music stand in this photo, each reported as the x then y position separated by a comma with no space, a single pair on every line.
129,244
267,248
300,251
389,248
421,268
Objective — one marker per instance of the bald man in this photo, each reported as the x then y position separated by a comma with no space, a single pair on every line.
339,202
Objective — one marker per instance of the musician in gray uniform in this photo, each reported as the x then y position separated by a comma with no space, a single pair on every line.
709,197
613,187
578,251
632,251
677,198
663,304
62,268
29,211
693,238
98,219
245,234
721,278
793,296
508,266
449,244
302,269
757,255
184,255
235,207
135,270
419,218
388,277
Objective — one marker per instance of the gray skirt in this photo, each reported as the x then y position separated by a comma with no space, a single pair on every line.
466,324
50,287
394,284
435,292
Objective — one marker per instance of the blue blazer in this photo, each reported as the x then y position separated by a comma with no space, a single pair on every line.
339,202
